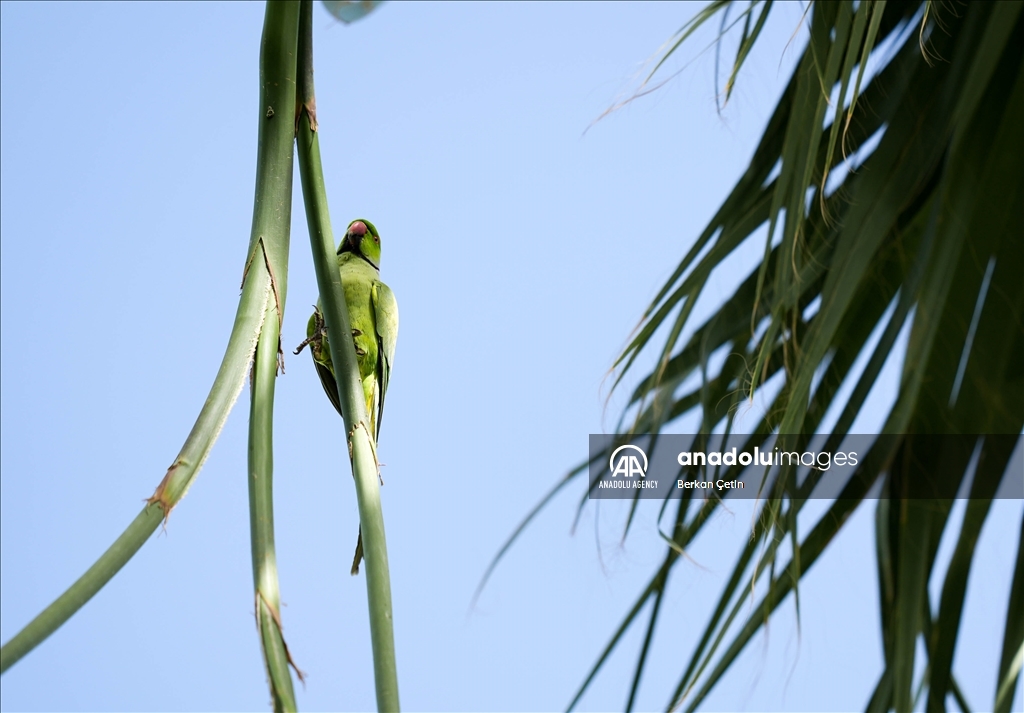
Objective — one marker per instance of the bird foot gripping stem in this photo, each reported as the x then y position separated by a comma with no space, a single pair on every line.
318,334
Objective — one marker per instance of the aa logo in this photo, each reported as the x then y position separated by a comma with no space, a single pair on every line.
627,465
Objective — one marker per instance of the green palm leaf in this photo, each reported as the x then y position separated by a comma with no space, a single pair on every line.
923,229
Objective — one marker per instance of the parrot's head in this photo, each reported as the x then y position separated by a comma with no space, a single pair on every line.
362,238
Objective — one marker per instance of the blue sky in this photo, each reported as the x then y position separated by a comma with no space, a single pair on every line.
522,252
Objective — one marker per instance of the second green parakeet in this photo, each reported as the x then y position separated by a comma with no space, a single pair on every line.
373,316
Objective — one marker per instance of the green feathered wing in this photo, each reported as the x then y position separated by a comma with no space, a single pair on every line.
385,309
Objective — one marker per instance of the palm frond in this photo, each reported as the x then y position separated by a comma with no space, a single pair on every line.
922,231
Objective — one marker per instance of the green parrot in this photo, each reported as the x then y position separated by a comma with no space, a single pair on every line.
373,315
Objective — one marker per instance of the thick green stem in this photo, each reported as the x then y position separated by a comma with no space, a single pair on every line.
261,518
252,305
270,233
258,292
359,438
81,591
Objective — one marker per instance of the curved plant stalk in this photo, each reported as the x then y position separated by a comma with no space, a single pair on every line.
51,618
261,516
226,387
256,294
259,293
361,448
252,306
271,227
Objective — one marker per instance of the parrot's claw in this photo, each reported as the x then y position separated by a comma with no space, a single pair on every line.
306,342
319,333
